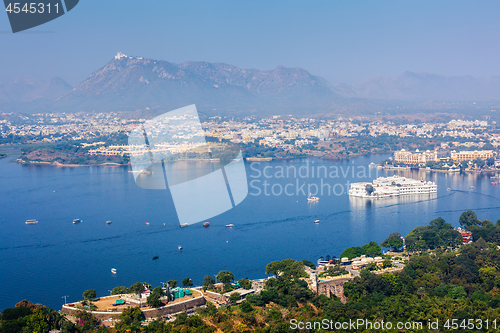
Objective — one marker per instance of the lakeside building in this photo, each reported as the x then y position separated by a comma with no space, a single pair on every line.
471,155
420,158
392,186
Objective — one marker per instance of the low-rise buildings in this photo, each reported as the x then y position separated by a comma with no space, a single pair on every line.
471,155
419,158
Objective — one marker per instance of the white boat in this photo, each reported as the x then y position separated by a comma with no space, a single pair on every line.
184,225
108,222
113,270
179,247
75,221
310,198
229,225
31,222
317,221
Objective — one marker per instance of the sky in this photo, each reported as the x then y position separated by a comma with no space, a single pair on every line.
342,41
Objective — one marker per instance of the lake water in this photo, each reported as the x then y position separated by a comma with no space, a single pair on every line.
55,257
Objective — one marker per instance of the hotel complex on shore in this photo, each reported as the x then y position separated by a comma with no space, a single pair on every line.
392,186
419,158
422,157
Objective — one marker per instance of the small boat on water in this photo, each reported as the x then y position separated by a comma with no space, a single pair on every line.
494,183
448,189
75,221
229,225
179,247
108,222
147,223
310,198
471,187
206,224
113,270
317,221
31,222
155,257
184,225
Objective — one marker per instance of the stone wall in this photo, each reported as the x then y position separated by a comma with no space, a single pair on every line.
333,287
184,306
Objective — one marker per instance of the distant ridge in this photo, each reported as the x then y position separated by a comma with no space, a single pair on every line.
130,83
149,87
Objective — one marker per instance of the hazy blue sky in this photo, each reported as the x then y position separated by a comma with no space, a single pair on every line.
343,41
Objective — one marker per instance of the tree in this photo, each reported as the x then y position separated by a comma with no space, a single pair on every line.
372,249
154,300
369,189
130,319
172,283
136,288
225,277
468,219
245,283
119,290
187,282
311,264
234,297
387,263
37,322
394,241
288,269
89,294
208,282
457,292
480,163
246,307
158,290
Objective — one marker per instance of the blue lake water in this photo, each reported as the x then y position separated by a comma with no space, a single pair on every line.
55,257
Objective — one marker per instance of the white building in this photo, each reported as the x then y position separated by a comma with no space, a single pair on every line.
392,186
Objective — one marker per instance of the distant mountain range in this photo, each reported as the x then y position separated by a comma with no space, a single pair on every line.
133,83
30,94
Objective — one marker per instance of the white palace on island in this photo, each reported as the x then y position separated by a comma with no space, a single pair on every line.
392,186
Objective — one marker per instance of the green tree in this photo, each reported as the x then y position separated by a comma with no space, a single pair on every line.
136,288
308,264
89,294
225,277
480,163
468,219
130,319
119,290
369,189
172,283
158,290
234,297
245,283
37,322
187,282
457,292
154,300
208,282
394,241
372,249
